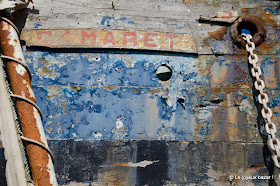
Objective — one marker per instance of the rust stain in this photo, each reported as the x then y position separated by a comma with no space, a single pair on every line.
46,70
261,14
120,165
110,88
268,19
218,34
27,117
76,88
232,127
114,177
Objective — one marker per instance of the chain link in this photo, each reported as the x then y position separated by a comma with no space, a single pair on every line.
270,127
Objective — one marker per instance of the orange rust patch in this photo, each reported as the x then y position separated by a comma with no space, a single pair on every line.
266,19
219,90
260,14
120,165
36,155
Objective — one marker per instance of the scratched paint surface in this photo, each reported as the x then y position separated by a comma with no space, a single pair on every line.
111,121
110,39
83,90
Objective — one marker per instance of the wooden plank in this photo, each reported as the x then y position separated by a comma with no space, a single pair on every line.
142,40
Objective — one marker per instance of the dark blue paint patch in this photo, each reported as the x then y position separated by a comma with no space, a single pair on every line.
93,108
36,25
131,22
163,111
272,10
189,76
245,31
180,27
122,18
206,130
106,20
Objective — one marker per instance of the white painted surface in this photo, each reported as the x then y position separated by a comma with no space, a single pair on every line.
15,172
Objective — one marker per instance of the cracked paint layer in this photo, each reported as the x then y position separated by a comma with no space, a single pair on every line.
203,94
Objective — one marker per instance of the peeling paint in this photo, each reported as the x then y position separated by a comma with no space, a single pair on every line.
142,164
108,115
30,90
20,69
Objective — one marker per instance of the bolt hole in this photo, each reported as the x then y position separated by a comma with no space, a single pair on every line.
247,28
164,72
245,31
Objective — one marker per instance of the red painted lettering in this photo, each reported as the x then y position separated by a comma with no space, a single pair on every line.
149,40
40,33
227,16
66,36
86,35
129,37
109,38
171,39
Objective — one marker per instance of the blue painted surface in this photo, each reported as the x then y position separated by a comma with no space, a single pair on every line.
115,95
98,91
201,126
113,21
36,25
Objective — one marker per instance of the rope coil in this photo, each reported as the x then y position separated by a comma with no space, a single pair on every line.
38,144
19,62
11,23
43,146
30,102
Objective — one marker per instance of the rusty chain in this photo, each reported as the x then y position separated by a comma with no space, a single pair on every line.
273,142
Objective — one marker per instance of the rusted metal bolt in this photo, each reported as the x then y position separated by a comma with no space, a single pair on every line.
252,24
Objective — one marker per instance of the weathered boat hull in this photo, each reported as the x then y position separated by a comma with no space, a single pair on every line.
111,121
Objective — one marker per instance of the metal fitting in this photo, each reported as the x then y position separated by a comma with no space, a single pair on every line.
249,23
39,156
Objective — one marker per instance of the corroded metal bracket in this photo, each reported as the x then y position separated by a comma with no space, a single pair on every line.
253,25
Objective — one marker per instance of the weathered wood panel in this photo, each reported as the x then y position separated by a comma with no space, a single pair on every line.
88,38
161,16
